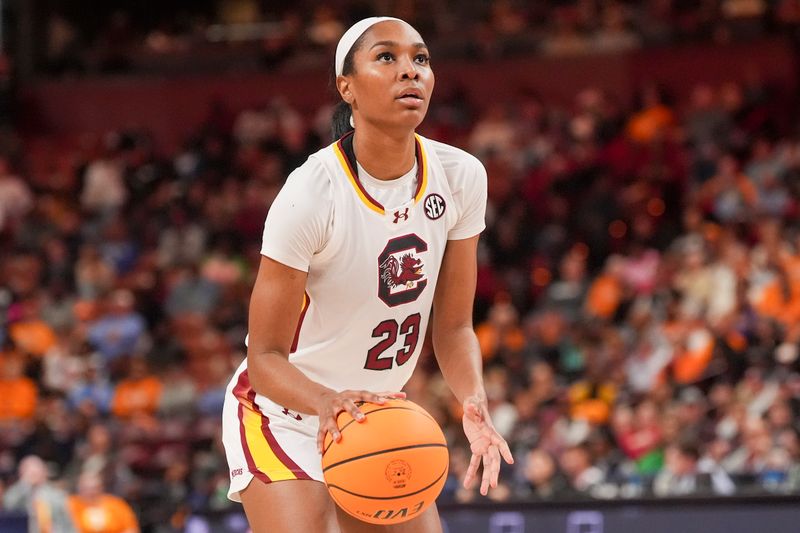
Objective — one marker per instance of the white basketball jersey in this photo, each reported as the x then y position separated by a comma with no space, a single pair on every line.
371,283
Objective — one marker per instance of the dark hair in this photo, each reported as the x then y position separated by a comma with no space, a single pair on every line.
688,448
340,123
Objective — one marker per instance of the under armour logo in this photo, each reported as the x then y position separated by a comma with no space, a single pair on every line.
398,215
292,414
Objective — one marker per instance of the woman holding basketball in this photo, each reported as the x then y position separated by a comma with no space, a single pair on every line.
364,238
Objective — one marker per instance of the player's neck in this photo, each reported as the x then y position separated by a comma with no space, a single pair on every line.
383,156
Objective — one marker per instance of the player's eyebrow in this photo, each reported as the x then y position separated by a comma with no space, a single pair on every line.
395,43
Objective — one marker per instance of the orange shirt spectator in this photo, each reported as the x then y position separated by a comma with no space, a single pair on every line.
690,363
18,394
139,393
730,194
645,125
35,337
767,297
29,332
491,338
603,296
591,401
501,331
791,268
94,511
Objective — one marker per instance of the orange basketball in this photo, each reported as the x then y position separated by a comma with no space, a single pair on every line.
388,468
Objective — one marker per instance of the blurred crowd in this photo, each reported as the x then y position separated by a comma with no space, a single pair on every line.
637,303
258,34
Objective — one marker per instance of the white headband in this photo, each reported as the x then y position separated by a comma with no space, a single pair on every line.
351,36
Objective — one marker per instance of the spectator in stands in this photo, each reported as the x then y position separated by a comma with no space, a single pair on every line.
566,37
64,364
541,477
191,293
325,28
95,511
18,393
750,458
500,333
568,291
652,352
16,198
730,195
582,476
100,451
104,191
653,118
614,35
137,394
31,335
43,501
93,391
119,331
591,397
681,475
606,291
179,397
62,53
183,241
93,275
117,247
639,436
776,474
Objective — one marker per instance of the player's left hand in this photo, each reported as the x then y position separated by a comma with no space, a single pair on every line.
485,442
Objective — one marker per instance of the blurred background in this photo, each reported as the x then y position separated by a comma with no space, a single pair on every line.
638,301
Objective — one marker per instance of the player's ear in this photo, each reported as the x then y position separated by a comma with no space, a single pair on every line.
343,86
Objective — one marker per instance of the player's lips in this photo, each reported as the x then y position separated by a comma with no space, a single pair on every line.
411,97
410,92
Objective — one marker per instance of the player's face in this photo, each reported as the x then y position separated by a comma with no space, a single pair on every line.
393,80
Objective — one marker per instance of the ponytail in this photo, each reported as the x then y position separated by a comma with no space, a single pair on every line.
342,114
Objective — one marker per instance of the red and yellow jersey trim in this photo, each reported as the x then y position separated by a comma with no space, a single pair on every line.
352,177
422,170
265,457
348,165
303,310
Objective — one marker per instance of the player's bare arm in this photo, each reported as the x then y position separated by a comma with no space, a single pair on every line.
459,357
275,307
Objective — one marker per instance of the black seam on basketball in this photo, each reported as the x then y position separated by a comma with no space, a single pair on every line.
341,429
423,489
388,450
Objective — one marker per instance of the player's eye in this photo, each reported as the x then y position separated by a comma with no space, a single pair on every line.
422,59
385,56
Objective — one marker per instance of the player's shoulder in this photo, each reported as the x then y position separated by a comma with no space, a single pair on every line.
307,188
452,158
312,178
457,163
311,171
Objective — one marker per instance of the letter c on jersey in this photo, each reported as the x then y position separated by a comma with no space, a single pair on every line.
400,276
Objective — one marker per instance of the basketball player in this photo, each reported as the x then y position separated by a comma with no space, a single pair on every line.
363,239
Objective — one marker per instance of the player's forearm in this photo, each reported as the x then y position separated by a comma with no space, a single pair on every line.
459,357
272,375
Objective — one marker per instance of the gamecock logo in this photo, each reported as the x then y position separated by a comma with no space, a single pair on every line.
400,276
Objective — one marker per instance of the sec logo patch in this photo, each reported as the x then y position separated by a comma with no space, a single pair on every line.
434,206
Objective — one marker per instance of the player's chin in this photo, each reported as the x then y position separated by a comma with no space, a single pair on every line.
410,118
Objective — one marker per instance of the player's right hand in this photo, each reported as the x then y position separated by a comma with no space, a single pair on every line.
331,403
